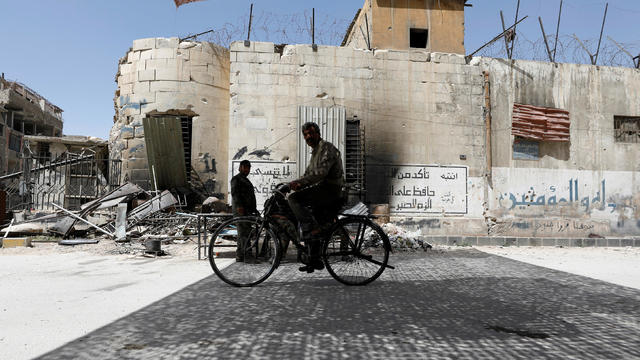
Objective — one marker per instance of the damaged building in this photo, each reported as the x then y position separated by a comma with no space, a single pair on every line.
453,145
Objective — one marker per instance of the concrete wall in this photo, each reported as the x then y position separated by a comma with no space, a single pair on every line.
162,76
589,185
390,21
425,120
419,109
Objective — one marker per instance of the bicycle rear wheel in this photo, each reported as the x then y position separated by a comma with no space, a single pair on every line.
243,251
356,252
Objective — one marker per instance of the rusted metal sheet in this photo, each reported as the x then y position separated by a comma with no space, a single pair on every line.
540,123
332,123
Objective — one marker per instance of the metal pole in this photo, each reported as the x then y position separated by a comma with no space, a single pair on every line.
495,39
247,42
555,46
83,220
601,31
513,40
313,26
546,43
506,41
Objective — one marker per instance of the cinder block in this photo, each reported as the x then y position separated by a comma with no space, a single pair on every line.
145,55
419,56
167,43
247,57
164,53
127,132
172,74
446,58
144,44
263,47
141,87
147,75
133,56
626,242
15,242
127,78
164,86
156,63
510,241
238,46
613,242
126,69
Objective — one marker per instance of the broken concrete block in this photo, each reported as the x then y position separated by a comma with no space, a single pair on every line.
446,58
15,242
139,131
167,42
144,44
419,56
127,132
263,47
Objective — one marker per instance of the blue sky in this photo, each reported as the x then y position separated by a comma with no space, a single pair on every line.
68,50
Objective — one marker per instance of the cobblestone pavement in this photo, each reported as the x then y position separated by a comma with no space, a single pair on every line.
436,305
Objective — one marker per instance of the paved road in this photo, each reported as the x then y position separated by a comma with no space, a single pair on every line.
455,304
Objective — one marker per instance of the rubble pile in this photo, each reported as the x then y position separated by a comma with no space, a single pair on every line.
402,239
123,215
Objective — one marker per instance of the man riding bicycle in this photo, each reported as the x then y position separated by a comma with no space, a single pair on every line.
319,188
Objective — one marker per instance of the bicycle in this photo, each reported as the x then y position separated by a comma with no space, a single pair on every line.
355,250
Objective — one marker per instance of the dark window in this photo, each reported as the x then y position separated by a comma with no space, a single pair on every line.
626,129
354,159
418,38
15,141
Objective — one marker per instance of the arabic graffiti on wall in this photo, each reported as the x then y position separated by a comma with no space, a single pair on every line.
424,189
555,195
265,175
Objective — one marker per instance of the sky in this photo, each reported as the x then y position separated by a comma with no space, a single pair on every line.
68,50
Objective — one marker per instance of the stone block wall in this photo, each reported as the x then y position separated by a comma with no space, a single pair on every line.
164,76
418,108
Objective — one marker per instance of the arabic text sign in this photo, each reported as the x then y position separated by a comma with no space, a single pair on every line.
265,175
426,189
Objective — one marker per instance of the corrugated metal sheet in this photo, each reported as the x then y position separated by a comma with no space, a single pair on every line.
165,151
540,123
332,123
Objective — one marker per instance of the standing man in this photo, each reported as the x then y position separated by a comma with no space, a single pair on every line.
320,188
243,203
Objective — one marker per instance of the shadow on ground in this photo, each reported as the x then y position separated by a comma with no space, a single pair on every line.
457,304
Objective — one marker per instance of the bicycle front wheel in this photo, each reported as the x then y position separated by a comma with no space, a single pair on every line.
244,251
356,252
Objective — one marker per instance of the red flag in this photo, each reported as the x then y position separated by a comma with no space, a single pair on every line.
182,2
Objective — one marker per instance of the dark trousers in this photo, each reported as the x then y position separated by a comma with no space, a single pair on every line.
315,200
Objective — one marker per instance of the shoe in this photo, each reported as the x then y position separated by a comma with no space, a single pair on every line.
316,264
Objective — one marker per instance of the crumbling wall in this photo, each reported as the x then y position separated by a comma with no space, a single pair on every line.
589,185
423,113
163,76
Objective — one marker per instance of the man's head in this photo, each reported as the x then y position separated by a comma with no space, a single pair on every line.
245,167
311,133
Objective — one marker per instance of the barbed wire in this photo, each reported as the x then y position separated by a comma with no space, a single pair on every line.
569,50
280,28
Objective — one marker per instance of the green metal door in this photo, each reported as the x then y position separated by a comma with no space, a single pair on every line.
165,151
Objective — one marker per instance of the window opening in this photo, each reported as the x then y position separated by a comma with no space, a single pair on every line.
626,129
418,38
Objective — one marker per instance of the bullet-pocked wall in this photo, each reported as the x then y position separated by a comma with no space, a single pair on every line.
165,77
423,116
587,185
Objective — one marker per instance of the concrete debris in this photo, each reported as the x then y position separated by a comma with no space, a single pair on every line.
403,239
